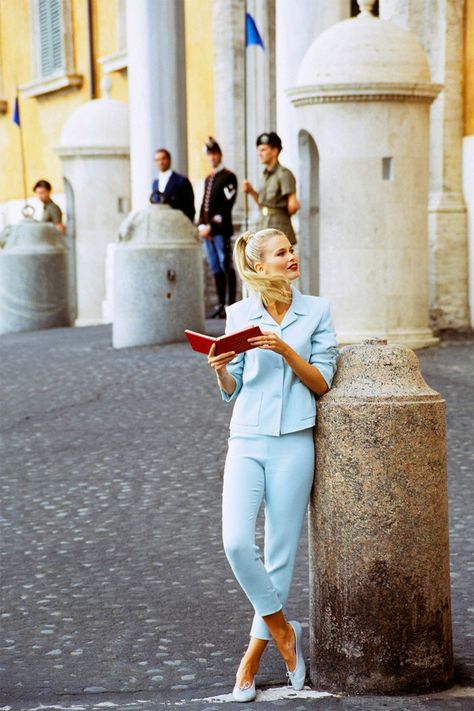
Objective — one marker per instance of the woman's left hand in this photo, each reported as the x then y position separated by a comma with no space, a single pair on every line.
271,342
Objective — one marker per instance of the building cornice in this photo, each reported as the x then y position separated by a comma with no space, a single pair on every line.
92,151
364,91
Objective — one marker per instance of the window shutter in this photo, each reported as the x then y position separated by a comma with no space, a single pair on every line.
51,36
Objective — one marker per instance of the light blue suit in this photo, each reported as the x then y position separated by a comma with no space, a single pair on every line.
271,450
271,399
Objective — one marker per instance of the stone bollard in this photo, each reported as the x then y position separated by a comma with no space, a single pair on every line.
33,277
158,278
380,616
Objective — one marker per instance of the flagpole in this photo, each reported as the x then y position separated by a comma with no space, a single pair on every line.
22,152
246,197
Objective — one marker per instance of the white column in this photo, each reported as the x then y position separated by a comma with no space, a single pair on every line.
261,88
157,89
230,56
229,47
439,26
468,182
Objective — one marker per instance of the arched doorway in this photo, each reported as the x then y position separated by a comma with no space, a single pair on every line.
309,213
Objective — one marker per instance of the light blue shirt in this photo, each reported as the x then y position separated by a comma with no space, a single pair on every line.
269,397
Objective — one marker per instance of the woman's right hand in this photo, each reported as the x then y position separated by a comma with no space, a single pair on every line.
219,362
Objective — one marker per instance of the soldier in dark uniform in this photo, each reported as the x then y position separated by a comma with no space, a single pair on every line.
215,225
277,195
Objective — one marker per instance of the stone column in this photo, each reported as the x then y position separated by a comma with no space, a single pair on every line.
230,56
261,88
157,89
380,618
228,18
468,143
439,26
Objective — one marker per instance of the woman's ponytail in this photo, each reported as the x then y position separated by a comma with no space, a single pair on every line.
248,250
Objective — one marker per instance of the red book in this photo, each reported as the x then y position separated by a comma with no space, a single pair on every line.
236,341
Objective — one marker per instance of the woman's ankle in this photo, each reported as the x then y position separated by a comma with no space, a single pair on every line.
249,662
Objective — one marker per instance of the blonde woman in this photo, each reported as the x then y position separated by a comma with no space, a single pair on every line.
271,453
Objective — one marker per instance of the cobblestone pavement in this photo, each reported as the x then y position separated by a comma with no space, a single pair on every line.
115,590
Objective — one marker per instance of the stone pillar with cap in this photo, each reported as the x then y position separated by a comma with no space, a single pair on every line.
95,156
33,277
380,613
157,277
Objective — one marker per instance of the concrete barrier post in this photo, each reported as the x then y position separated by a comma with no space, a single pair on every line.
33,277
158,278
380,614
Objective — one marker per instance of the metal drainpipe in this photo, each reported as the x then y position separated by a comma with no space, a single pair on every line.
91,50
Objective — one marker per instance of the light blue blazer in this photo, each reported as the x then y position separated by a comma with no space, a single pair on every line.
269,398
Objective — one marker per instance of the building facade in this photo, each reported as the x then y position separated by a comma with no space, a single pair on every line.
184,71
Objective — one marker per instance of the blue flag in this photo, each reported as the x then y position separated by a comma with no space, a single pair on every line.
252,35
16,112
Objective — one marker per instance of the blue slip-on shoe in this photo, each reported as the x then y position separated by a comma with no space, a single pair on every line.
298,675
245,693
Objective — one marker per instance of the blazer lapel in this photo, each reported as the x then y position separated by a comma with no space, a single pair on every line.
170,184
297,308
258,312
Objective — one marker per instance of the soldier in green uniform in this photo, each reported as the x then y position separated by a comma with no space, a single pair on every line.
51,211
277,195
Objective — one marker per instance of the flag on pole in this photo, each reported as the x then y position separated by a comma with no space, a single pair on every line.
16,113
252,35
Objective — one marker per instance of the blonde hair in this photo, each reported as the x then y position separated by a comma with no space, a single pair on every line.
248,250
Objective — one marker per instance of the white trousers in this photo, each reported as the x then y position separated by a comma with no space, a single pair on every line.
278,471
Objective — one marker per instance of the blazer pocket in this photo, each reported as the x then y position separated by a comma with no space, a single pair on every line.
247,410
305,403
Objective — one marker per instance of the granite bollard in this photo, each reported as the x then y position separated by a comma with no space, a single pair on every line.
158,278
33,277
380,612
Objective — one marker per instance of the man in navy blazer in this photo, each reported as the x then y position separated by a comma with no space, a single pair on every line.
170,187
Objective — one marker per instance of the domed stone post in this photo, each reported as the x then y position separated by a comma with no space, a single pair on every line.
33,277
158,279
363,96
94,150
380,616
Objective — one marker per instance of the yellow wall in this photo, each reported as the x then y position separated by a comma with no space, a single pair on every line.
105,31
42,117
199,83
469,69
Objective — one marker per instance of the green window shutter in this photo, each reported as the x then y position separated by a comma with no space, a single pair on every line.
51,36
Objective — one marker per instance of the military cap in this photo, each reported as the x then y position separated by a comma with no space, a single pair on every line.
271,139
211,146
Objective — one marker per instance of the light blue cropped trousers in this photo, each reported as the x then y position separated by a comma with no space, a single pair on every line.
277,471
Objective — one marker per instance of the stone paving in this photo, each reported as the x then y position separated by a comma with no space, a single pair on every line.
116,593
